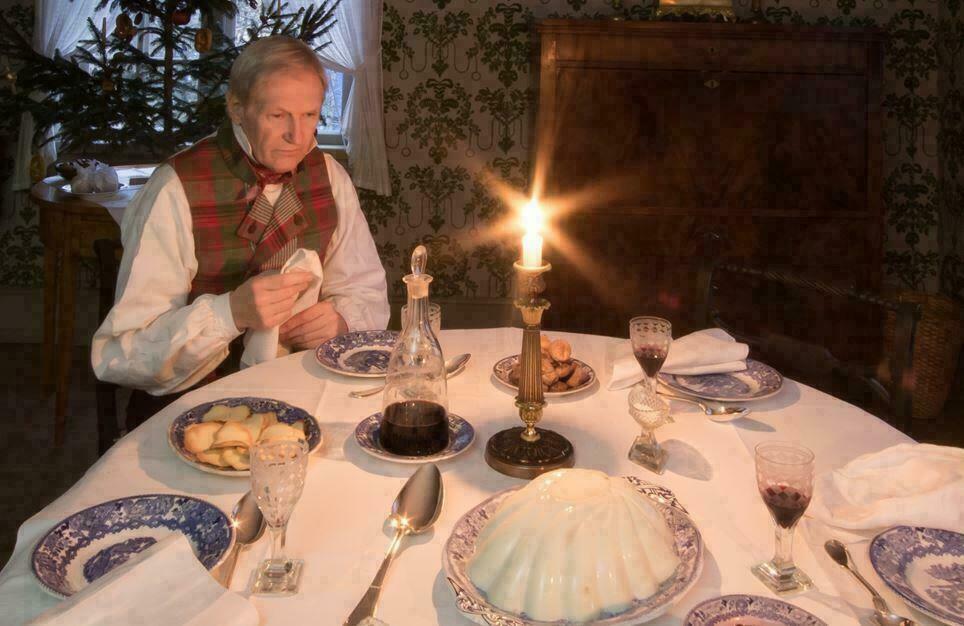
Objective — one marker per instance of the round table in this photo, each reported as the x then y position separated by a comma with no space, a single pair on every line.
338,527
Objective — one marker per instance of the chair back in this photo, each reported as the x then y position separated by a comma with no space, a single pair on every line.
890,383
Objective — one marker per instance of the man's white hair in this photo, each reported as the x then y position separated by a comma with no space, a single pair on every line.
268,56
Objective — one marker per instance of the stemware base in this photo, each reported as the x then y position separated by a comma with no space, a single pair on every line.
268,582
782,581
648,454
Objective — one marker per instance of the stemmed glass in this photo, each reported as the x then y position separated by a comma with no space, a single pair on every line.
784,476
650,337
277,479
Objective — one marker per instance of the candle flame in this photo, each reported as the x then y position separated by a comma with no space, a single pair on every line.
531,216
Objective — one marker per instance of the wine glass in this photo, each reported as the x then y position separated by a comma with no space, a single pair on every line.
650,337
784,476
278,471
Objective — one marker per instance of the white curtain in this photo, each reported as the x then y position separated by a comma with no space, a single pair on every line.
58,25
356,49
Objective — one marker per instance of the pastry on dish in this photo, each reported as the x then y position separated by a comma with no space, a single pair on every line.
200,436
232,434
284,432
573,545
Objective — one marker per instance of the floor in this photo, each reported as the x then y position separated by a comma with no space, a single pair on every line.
36,474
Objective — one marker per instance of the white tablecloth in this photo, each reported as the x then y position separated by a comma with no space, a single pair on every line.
338,525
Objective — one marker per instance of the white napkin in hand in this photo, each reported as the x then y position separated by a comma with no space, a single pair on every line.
262,345
164,585
709,351
911,484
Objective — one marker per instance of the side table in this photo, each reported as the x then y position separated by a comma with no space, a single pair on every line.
69,225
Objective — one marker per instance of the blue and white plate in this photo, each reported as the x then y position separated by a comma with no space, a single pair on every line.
461,436
286,413
92,542
502,368
737,610
363,353
756,382
461,545
925,566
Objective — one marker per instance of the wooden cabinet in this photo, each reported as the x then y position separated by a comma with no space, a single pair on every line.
652,135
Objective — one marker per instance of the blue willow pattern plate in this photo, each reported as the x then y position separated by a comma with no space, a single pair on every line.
472,602
925,566
286,413
461,436
738,609
92,542
363,353
756,382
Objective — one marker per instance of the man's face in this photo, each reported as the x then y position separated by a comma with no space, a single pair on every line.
280,117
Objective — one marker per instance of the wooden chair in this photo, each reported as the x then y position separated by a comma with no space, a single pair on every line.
108,253
889,384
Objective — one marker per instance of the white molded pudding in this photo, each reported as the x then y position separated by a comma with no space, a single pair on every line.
573,544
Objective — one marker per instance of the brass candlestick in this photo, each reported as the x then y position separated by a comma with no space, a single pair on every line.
526,452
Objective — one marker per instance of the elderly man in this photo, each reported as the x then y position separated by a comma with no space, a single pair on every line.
201,235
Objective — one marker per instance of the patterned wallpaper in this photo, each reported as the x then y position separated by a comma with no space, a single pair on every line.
459,101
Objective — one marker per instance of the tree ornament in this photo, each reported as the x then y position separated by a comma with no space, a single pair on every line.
124,27
10,79
203,39
107,85
180,17
38,167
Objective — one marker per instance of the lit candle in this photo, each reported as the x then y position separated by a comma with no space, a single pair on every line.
532,240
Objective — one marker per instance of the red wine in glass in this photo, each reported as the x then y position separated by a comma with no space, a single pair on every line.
414,428
650,358
786,504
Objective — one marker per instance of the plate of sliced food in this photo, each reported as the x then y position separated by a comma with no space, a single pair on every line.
215,437
561,373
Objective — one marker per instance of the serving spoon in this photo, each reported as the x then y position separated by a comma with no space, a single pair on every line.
414,511
882,613
453,367
248,525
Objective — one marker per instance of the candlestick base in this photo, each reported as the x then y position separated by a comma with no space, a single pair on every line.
509,453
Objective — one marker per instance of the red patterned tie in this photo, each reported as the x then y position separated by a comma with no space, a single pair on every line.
265,177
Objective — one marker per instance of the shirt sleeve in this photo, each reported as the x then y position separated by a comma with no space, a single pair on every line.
152,339
354,279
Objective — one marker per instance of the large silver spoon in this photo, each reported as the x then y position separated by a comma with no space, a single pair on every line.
883,615
715,413
453,367
248,525
414,511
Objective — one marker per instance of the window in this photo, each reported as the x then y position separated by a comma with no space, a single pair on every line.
339,84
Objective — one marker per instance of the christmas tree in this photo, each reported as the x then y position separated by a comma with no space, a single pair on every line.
156,80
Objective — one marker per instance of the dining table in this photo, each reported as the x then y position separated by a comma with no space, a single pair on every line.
339,525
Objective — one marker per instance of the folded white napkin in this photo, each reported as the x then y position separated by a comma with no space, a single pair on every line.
262,345
164,585
709,351
912,484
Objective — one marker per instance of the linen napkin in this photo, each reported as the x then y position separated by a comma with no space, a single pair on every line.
164,585
911,484
709,351
262,345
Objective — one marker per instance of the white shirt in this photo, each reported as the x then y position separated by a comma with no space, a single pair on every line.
153,340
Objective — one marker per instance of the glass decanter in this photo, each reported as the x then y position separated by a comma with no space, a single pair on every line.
414,418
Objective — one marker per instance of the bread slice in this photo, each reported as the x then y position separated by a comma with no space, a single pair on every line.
199,437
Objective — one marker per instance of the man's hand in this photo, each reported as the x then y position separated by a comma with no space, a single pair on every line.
265,301
316,324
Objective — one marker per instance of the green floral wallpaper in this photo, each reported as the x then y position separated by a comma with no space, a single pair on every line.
459,100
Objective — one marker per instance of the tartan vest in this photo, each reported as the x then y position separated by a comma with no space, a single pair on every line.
228,242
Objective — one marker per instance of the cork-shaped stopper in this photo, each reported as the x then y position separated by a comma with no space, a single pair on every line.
417,285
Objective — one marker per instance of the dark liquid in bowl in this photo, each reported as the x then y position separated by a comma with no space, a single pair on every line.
414,428
786,504
650,359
